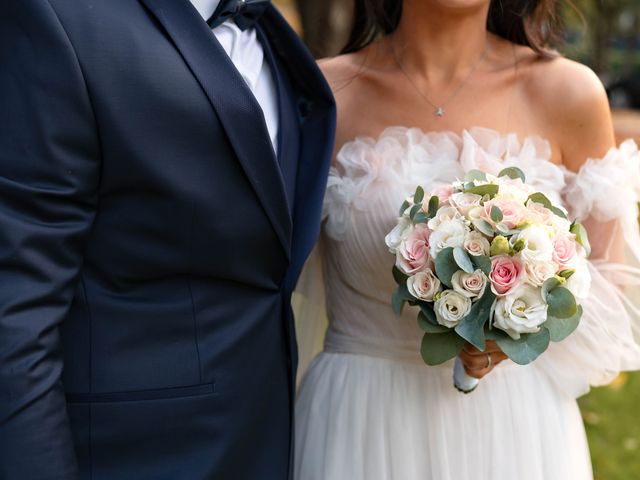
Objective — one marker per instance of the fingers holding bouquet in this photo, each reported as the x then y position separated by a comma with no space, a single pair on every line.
478,364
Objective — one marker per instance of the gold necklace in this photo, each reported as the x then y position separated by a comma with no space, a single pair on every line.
439,110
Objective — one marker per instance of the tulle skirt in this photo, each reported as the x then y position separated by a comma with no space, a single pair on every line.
360,417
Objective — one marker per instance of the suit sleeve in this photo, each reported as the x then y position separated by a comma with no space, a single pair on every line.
49,174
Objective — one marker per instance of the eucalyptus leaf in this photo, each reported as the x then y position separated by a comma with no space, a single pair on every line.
560,328
558,212
427,310
549,285
528,348
421,217
419,195
484,227
428,327
399,276
446,266
496,214
404,207
513,172
462,259
482,262
400,296
434,203
471,328
488,189
414,210
438,348
562,304
542,199
581,236
475,175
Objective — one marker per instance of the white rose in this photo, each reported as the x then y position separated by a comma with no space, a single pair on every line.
476,244
514,190
443,216
538,246
450,234
470,285
536,273
521,311
580,282
451,308
464,202
424,285
399,233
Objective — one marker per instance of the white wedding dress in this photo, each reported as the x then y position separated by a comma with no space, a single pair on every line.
368,408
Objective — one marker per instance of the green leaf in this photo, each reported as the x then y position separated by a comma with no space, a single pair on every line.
475,175
399,298
419,195
548,285
426,309
437,348
581,236
484,227
496,214
527,348
414,210
562,303
428,327
434,203
558,212
495,334
542,199
513,172
462,259
399,276
421,217
482,190
446,266
483,263
560,328
471,328
404,207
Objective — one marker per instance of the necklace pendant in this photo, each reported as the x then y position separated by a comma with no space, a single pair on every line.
439,112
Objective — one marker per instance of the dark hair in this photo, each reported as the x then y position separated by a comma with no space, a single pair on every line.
533,23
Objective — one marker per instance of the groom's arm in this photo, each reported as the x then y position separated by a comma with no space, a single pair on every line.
49,167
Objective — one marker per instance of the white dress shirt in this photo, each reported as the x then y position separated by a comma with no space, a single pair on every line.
247,55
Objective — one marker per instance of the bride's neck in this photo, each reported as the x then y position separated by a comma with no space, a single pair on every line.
439,42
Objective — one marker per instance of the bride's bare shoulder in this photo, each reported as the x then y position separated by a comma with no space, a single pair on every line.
343,70
572,100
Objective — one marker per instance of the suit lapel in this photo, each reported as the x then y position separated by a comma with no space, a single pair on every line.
237,108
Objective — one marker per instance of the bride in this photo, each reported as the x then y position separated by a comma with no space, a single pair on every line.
428,89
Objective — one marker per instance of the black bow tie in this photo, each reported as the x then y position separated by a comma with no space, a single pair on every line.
244,12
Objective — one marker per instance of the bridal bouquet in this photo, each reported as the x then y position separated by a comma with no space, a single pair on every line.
488,258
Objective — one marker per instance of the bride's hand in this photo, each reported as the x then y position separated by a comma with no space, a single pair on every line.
478,364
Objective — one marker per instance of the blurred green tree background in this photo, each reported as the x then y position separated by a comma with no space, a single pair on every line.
604,34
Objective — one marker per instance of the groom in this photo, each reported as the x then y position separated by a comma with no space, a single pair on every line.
161,180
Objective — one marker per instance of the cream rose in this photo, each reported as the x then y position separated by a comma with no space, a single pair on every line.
465,202
424,285
444,216
536,273
522,311
399,233
450,234
451,307
513,213
470,285
476,244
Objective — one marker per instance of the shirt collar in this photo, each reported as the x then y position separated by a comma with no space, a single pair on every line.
205,7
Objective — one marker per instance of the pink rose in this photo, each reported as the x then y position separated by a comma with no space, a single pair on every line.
564,251
443,193
412,255
513,213
506,273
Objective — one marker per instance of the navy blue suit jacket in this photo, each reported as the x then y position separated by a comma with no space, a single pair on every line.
148,249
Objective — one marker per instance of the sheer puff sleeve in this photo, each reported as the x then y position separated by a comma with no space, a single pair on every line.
604,195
